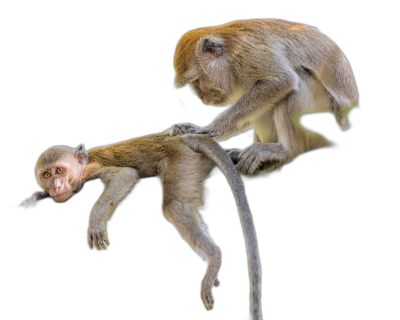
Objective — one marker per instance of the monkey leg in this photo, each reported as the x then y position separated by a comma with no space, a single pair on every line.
279,135
188,221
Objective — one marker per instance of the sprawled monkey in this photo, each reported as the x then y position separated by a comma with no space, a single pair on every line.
273,72
182,162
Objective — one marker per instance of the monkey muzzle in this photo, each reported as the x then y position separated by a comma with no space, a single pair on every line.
206,97
60,191
57,185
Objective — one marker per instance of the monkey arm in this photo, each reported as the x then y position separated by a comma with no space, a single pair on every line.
119,181
34,199
261,96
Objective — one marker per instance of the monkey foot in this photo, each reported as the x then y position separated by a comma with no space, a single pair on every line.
207,298
252,157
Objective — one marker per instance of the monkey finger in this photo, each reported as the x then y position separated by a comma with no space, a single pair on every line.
104,240
101,242
176,130
210,132
90,242
180,129
95,241
98,244
216,283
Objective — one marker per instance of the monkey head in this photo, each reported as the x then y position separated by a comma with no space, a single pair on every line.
202,61
59,170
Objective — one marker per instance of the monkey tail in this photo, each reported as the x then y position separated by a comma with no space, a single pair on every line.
213,151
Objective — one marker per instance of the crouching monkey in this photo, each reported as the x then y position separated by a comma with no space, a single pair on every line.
272,72
182,162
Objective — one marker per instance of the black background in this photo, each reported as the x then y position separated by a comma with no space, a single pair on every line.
99,75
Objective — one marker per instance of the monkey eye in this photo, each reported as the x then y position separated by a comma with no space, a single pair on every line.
60,170
46,175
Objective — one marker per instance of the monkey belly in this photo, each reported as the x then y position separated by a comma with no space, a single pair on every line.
310,97
281,123
264,128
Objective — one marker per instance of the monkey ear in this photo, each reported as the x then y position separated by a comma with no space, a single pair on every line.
81,155
214,47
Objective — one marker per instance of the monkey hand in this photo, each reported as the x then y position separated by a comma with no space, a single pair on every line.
34,199
209,132
180,129
97,236
233,154
256,157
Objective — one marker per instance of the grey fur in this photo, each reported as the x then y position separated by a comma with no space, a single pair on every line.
183,163
273,72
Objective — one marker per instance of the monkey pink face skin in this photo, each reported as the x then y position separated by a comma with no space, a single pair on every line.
60,179
59,171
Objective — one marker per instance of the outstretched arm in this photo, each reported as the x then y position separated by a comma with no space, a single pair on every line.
119,181
261,96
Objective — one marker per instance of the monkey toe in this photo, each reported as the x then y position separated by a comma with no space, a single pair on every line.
216,283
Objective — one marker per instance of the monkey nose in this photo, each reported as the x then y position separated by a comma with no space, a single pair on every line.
57,184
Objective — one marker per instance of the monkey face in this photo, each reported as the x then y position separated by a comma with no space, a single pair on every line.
204,64
58,180
58,171
208,92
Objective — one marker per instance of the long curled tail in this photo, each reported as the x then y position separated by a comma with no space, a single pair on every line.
213,151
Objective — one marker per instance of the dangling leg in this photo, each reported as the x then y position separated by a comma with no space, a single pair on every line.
183,189
188,222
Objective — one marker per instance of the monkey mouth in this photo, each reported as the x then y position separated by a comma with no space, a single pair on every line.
59,197
208,99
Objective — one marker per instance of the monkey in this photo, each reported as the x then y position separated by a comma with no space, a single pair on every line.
183,163
272,72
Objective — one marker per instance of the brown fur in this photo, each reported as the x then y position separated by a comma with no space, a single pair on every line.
273,72
183,163
143,154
